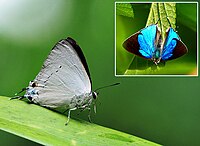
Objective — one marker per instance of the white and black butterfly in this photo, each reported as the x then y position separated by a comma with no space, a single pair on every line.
64,81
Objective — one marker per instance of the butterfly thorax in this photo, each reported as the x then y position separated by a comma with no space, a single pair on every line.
157,56
80,101
83,101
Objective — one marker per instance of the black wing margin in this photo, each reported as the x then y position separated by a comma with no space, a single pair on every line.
179,50
78,50
131,45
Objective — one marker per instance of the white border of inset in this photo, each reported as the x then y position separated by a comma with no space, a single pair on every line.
155,74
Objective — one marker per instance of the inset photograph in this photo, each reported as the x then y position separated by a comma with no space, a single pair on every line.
156,39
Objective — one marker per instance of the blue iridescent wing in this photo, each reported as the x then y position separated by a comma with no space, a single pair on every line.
173,46
142,43
146,39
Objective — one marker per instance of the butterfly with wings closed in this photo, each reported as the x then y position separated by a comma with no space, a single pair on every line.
147,43
64,81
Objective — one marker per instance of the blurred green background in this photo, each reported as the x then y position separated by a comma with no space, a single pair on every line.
163,110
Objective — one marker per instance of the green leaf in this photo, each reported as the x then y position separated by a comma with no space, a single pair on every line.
48,127
126,26
165,15
124,9
122,56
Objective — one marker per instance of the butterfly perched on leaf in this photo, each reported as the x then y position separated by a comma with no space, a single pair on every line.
148,44
64,81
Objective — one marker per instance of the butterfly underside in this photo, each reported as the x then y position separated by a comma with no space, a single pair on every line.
63,81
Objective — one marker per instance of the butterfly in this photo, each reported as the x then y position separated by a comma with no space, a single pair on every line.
64,81
147,43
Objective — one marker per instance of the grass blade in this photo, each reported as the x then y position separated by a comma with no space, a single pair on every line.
47,127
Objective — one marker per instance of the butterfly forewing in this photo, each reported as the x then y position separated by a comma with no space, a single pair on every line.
147,41
132,45
62,77
143,42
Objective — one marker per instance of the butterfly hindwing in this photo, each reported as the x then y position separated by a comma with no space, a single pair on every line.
173,46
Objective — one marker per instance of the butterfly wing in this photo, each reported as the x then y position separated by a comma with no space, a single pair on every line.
132,45
64,74
173,46
143,43
147,39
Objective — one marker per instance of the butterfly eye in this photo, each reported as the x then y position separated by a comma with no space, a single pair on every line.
34,84
94,95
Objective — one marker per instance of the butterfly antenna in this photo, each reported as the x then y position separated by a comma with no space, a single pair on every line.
169,21
106,86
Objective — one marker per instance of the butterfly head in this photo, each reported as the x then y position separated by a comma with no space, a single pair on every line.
96,93
156,61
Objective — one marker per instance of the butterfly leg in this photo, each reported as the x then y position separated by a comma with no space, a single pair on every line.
17,97
80,111
95,108
84,108
89,115
68,117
